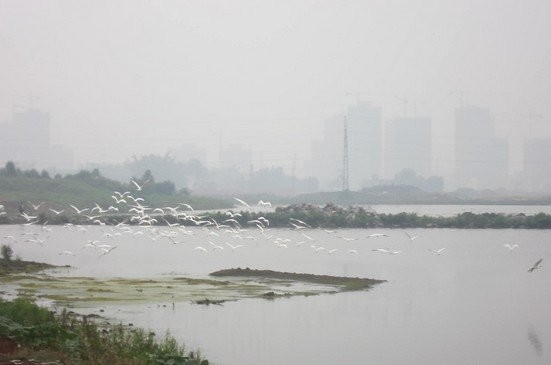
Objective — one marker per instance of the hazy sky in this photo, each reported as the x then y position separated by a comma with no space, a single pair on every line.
136,77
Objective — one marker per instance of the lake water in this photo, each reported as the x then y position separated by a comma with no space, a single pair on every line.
452,210
473,304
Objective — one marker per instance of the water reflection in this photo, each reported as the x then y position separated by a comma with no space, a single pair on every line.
535,341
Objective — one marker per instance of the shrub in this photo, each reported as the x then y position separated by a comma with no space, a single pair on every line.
7,252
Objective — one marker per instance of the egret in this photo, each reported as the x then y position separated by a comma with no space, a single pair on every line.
242,202
105,251
28,217
386,250
68,253
121,196
232,246
118,201
377,235
232,214
299,222
347,239
262,203
510,247
138,186
297,226
35,207
79,211
536,266
437,252
187,206
215,246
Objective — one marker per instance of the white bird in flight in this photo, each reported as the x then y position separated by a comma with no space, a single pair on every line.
510,247
105,251
377,235
242,202
69,253
385,250
138,186
79,211
35,207
437,252
232,246
262,203
536,266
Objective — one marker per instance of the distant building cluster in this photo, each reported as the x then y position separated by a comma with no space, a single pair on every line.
26,141
378,150
481,159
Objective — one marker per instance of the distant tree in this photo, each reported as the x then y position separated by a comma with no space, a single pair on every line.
165,187
44,174
10,169
148,177
434,184
184,191
6,252
33,174
406,177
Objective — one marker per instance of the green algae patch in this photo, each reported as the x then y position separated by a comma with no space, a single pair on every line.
343,283
87,292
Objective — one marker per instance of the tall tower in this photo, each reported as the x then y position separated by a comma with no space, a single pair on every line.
345,186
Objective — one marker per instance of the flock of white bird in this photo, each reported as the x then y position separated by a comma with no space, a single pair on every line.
213,236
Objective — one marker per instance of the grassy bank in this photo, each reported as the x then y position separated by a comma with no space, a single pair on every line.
30,331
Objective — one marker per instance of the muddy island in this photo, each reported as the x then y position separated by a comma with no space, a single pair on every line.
341,282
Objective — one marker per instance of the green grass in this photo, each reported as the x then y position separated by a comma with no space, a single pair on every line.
80,340
20,266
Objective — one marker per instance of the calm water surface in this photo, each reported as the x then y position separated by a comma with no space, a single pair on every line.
452,210
474,304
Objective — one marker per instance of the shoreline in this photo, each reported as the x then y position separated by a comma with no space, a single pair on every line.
329,216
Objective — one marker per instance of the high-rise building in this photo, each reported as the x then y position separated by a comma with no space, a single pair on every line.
326,155
364,149
408,146
364,144
481,159
26,141
537,164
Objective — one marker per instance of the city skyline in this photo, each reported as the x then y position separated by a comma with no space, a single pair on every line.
128,78
481,159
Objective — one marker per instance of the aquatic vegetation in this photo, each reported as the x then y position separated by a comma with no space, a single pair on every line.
238,284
